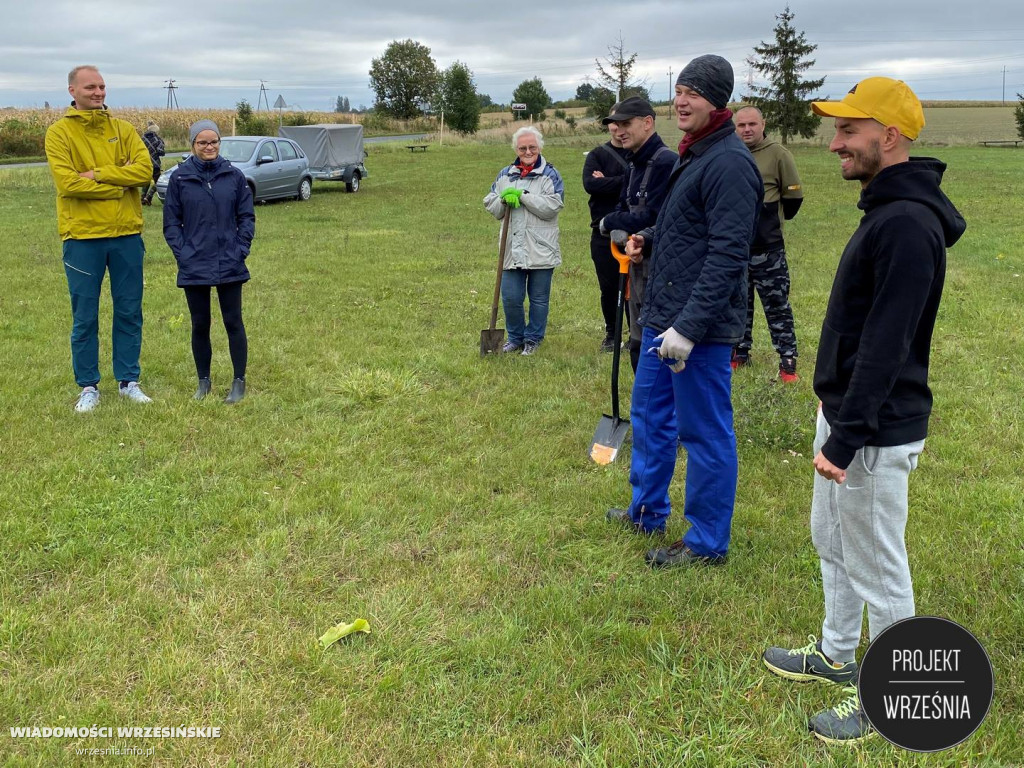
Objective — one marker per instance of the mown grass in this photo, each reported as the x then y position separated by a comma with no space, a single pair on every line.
174,565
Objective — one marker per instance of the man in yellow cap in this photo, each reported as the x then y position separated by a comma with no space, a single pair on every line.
872,379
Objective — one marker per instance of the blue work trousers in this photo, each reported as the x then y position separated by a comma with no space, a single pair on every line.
85,262
694,408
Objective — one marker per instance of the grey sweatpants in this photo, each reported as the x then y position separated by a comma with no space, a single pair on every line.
858,529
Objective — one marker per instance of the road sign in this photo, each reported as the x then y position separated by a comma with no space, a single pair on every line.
518,107
279,104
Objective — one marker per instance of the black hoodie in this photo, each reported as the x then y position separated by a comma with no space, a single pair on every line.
872,368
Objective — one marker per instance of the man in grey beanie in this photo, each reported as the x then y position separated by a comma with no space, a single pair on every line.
694,311
709,76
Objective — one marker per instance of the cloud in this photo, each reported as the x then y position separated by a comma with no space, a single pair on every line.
313,51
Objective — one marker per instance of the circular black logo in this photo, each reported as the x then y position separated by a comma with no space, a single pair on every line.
926,683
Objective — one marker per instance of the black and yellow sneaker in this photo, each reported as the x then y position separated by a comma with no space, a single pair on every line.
809,663
844,723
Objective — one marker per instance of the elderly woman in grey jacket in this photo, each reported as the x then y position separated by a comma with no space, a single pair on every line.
533,190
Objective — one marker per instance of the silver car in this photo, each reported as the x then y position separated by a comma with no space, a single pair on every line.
275,168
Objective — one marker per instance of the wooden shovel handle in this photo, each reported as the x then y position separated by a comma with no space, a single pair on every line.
501,266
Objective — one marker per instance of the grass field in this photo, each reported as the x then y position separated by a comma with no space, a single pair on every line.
173,565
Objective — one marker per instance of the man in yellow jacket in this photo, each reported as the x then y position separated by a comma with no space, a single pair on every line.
98,163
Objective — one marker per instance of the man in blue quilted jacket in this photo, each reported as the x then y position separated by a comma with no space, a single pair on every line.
694,311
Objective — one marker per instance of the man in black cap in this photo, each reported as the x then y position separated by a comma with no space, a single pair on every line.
650,163
694,311
604,175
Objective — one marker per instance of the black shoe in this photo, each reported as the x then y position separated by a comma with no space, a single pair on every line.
679,554
608,345
740,358
787,370
203,389
237,391
621,517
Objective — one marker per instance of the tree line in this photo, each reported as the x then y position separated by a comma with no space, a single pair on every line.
407,83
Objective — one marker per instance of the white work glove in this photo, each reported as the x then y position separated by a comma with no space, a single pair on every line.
600,227
674,346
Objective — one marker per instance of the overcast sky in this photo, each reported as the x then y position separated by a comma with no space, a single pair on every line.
311,51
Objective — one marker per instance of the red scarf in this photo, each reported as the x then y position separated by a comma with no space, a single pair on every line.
525,169
718,118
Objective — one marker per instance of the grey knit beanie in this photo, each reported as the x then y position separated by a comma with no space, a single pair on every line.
711,76
198,127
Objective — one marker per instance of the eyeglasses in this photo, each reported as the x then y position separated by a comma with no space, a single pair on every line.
531,148
205,144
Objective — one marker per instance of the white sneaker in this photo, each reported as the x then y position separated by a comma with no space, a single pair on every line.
88,400
134,392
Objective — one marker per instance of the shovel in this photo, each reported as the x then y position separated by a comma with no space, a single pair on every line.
493,339
611,430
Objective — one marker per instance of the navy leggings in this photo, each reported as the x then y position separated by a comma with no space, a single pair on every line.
230,297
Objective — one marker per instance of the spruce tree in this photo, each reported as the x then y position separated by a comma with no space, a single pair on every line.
786,101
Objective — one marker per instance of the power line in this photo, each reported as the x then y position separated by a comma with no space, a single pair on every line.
172,98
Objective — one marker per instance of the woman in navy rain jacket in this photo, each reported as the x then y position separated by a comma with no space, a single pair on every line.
209,224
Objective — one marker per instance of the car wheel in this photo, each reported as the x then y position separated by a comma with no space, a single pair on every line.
353,186
252,188
305,190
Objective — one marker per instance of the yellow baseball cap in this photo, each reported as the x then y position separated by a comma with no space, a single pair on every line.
890,102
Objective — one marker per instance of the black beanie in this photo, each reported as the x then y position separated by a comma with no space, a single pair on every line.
711,76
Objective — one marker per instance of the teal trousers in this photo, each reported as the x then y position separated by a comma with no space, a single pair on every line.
85,263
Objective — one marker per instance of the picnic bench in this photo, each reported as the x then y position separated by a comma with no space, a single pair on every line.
1002,142
416,147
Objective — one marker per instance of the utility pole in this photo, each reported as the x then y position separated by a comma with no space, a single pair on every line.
263,99
671,87
172,99
1004,85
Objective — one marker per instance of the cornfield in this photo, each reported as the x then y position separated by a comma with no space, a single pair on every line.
23,131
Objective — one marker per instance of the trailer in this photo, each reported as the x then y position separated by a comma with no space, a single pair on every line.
335,151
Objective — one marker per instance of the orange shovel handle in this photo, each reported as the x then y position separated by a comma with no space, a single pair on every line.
622,258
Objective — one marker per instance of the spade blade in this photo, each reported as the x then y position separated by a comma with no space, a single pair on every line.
608,438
